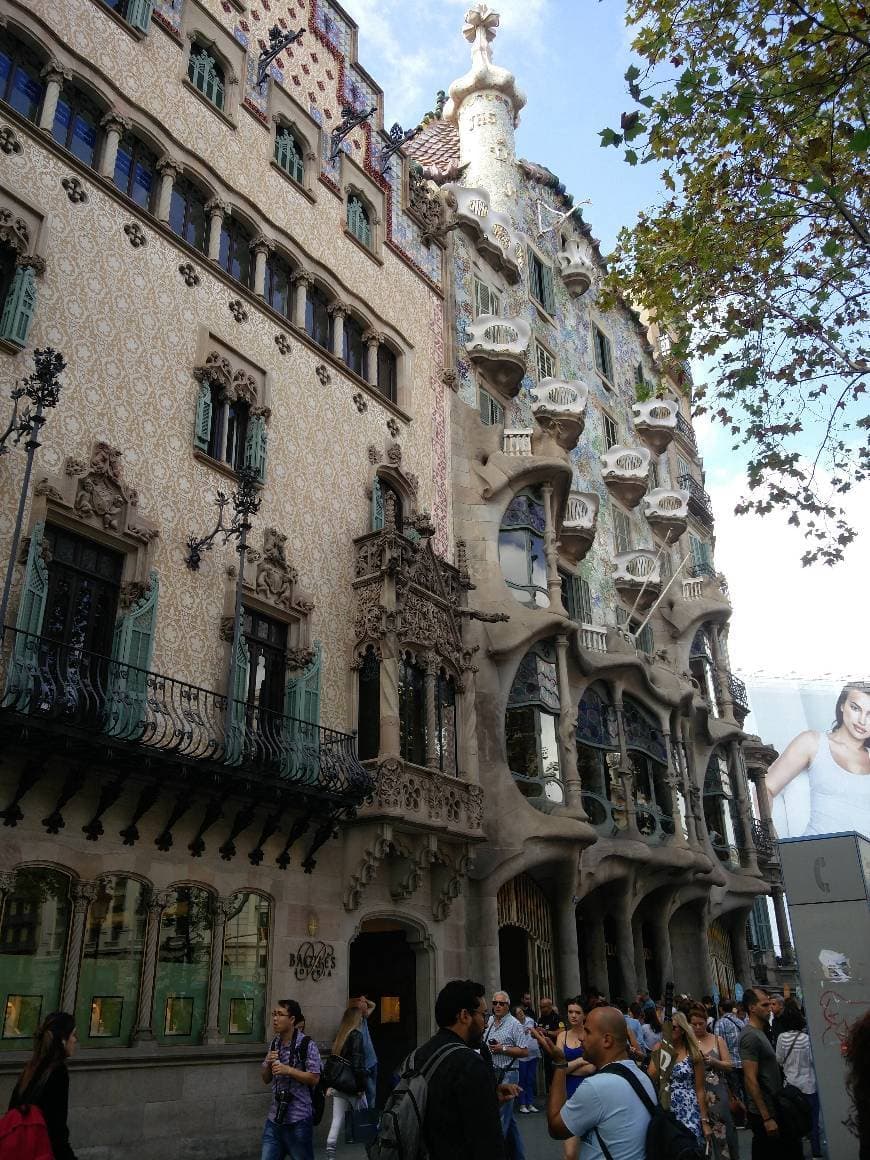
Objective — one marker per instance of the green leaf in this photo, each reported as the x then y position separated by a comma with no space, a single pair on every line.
631,157
860,141
609,137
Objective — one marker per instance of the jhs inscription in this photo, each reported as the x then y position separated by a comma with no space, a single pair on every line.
478,120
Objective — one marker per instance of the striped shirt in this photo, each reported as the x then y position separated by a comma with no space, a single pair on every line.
729,1028
510,1033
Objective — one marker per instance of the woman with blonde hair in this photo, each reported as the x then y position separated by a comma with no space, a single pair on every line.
345,1071
688,1092
44,1083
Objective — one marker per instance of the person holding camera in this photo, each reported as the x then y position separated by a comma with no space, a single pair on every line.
292,1066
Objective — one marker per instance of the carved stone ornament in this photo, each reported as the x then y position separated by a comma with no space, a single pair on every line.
275,580
450,379
360,402
323,374
188,272
75,191
374,454
132,592
9,143
136,235
237,309
394,454
14,232
426,205
283,343
393,427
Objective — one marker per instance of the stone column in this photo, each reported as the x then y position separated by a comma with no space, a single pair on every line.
262,247
782,930
83,895
749,857
144,1032
706,966
485,963
169,170
568,733
430,674
373,340
114,125
594,950
642,983
690,784
467,723
217,211
723,692
739,950
301,280
212,1033
662,934
554,581
625,951
624,770
568,954
54,75
338,311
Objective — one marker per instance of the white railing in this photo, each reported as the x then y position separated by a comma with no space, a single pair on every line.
581,511
493,335
692,589
517,442
593,638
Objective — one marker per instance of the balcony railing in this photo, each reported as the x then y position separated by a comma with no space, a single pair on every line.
765,843
737,690
699,501
74,689
686,431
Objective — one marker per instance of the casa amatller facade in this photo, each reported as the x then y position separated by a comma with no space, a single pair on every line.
362,626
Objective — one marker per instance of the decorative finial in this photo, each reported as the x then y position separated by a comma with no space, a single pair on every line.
479,28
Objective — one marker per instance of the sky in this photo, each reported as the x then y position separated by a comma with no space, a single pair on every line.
570,57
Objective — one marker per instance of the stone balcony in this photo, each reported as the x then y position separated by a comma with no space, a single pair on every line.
592,637
559,408
490,231
655,421
575,267
666,511
579,524
625,471
425,799
637,574
517,441
497,346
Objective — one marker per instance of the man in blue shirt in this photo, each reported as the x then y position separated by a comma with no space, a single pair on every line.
604,1107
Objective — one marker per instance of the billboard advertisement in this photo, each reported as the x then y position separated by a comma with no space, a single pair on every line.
820,783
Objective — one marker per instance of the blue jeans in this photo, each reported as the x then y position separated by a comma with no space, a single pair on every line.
512,1138
293,1140
372,1085
815,1137
528,1081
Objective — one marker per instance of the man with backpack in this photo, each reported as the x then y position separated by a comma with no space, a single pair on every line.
605,1112
446,1100
292,1066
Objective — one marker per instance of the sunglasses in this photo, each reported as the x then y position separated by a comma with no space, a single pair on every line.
499,1003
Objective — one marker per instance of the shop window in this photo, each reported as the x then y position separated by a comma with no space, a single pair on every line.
21,86
369,706
136,170
289,154
359,220
491,412
521,549
187,213
447,742
77,124
532,727
33,942
206,75
245,967
354,351
603,354
183,957
318,320
412,711
111,965
388,375
234,254
278,285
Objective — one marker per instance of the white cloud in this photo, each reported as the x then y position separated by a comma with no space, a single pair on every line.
789,619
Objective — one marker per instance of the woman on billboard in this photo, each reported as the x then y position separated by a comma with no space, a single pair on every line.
838,766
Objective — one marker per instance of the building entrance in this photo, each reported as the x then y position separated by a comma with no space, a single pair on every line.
525,939
383,967
721,958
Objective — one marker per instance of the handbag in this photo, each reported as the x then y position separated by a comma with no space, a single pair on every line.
793,1112
338,1074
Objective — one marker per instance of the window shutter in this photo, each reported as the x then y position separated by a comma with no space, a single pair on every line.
19,307
28,623
237,707
377,506
202,427
582,600
139,13
302,720
132,650
255,446
548,298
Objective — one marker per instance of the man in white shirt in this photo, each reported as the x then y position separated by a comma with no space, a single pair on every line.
604,1107
506,1038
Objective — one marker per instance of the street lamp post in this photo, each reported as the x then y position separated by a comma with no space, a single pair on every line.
42,389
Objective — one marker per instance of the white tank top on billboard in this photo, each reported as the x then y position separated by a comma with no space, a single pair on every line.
839,800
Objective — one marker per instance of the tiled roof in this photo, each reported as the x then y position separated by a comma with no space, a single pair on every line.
437,147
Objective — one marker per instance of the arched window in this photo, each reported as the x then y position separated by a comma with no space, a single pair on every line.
136,170
521,549
318,320
721,814
234,254
77,123
359,220
246,960
289,153
33,940
205,74
20,83
187,214
412,711
532,727
278,287
447,738
384,497
183,957
369,706
597,743
111,963
355,353
648,756
387,373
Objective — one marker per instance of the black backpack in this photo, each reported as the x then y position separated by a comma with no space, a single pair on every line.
318,1092
666,1137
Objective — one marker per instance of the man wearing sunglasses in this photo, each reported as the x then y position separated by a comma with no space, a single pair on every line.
507,1040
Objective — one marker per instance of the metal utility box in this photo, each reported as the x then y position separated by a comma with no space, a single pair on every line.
827,885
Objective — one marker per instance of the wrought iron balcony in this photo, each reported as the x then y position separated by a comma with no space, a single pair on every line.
765,842
655,421
686,431
498,347
699,501
81,693
738,694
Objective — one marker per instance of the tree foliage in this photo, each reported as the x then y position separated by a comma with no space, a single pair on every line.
757,113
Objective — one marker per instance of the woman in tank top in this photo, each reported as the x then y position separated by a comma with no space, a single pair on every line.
838,765
571,1042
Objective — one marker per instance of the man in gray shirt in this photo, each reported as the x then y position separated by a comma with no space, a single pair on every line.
763,1082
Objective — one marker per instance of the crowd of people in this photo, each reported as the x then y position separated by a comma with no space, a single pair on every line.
606,1070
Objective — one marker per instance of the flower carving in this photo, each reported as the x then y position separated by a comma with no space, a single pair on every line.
188,272
9,143
75,191
360,402
393,427
237,309
136,235
323,374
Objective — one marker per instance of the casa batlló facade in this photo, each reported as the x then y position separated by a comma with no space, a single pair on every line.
417,733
